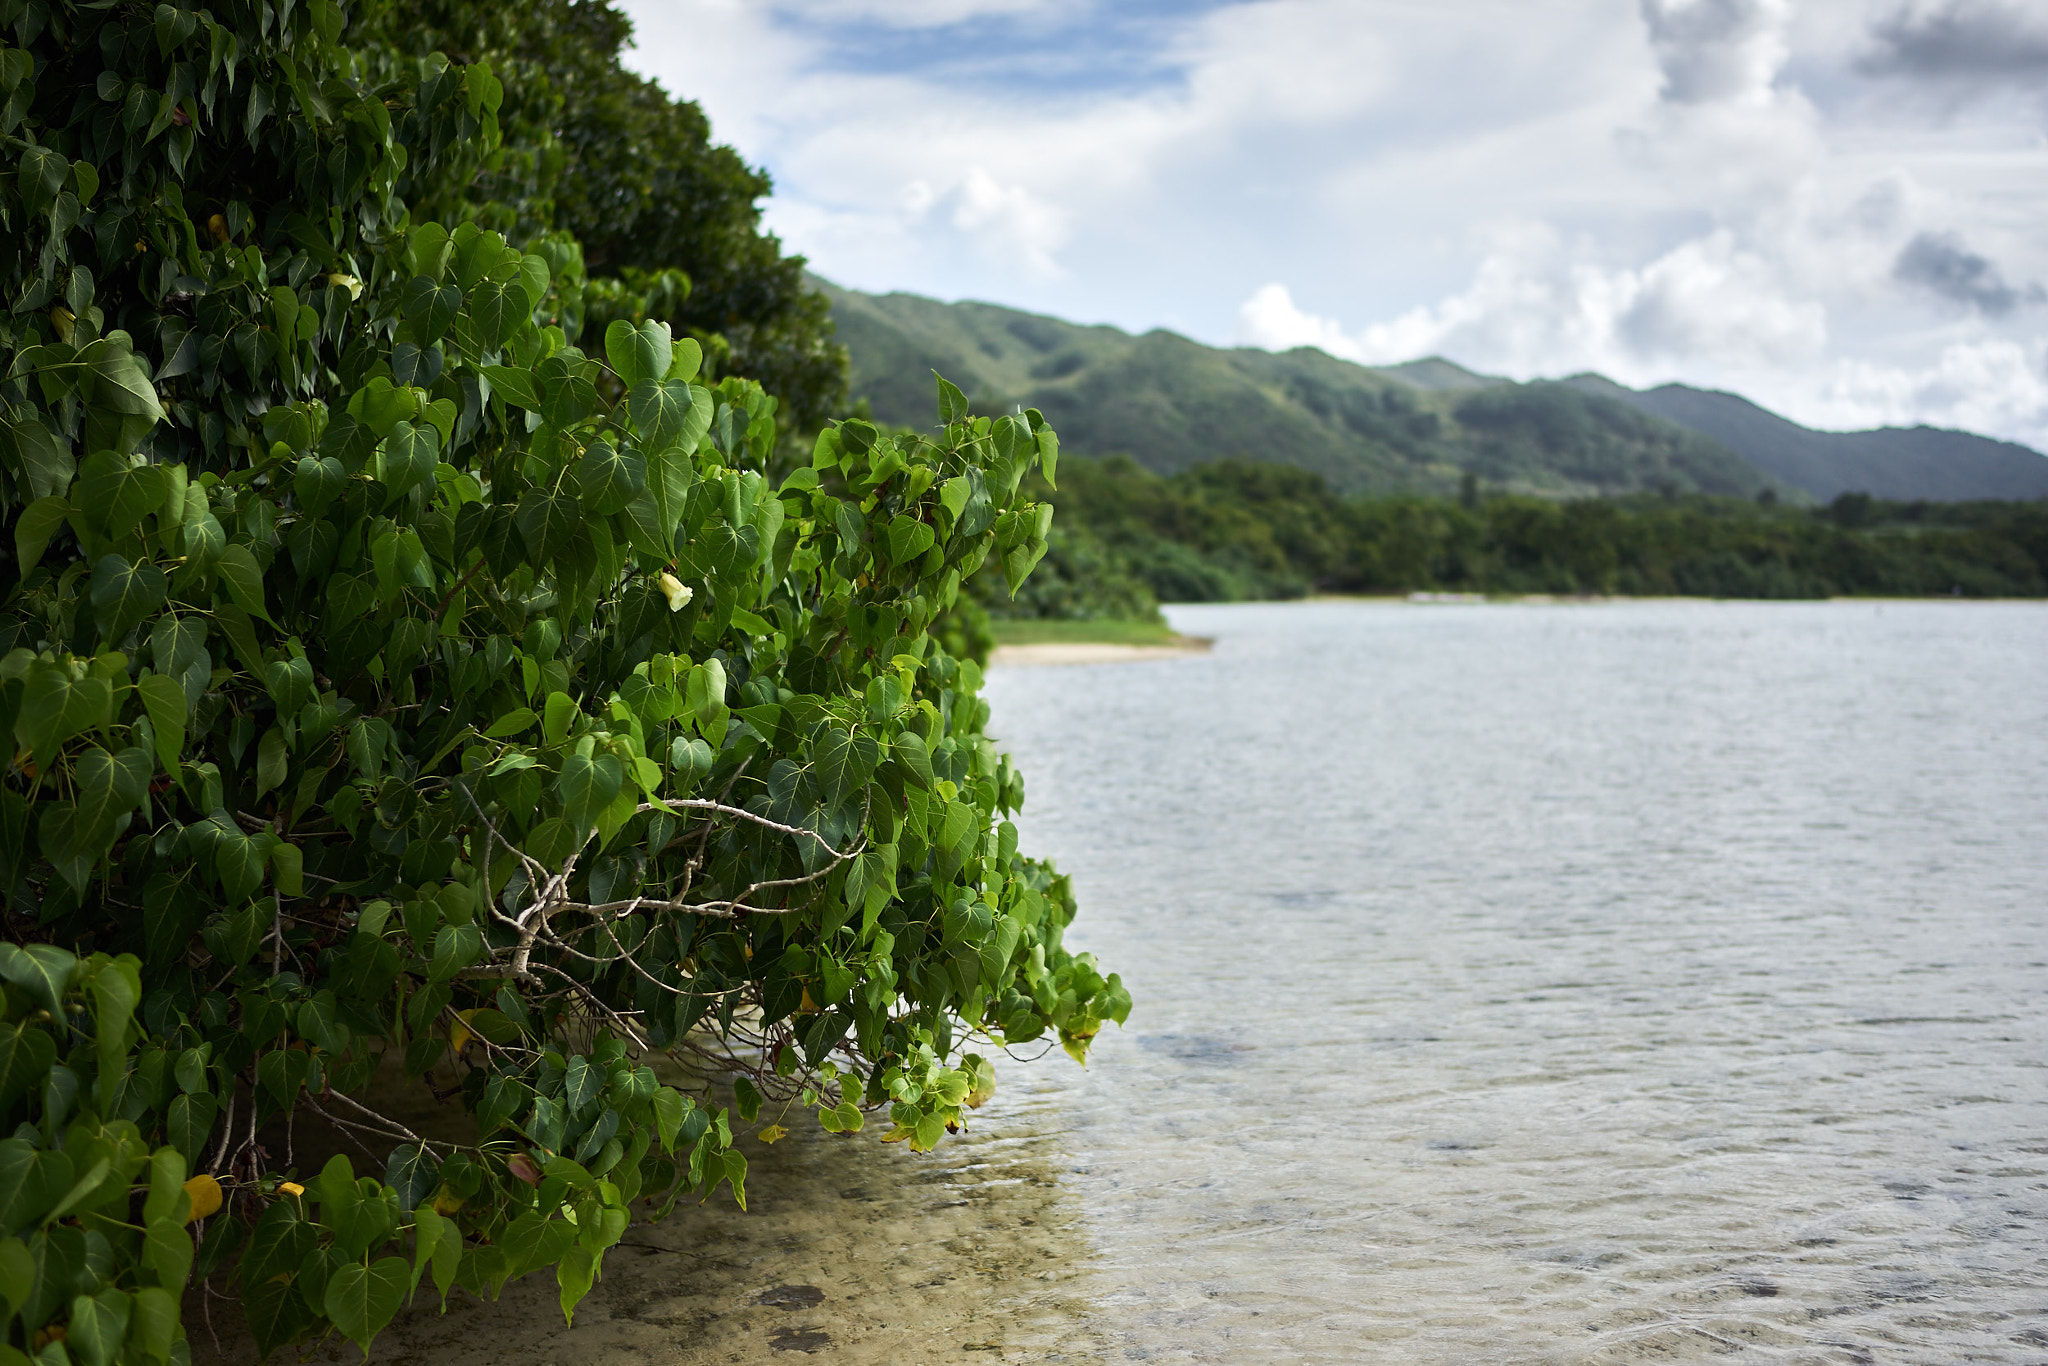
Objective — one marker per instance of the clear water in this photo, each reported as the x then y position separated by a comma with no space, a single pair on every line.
1657,981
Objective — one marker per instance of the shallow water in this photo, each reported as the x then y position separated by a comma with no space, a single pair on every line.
1651,981
1633,982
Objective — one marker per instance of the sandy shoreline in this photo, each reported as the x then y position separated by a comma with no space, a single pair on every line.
1093,652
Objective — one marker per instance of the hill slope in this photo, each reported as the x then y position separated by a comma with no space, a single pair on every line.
1172,403
1903,463
1421,426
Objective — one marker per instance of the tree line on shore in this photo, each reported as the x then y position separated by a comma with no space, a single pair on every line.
1126,539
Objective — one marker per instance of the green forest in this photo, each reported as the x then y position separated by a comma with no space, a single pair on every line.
1127,539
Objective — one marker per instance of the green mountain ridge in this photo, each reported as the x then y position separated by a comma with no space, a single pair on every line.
1423,426
1936,464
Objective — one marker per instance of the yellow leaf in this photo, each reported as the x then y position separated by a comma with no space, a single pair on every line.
459,1035
772,1132
206,1197
290,1188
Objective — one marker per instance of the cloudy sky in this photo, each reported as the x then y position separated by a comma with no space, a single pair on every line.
1837,207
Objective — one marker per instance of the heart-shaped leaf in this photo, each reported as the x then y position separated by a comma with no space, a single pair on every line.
362,1299
123,594
612,476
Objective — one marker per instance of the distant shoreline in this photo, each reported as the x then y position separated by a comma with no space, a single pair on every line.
1065,652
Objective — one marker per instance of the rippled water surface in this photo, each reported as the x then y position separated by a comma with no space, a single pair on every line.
1623,982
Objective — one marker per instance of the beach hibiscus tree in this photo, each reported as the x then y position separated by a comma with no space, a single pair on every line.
411,684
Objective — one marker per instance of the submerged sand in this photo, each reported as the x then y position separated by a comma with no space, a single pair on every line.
849,1248
1093,652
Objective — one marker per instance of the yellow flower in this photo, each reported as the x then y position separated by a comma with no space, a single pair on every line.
347,282
677,592
290,1188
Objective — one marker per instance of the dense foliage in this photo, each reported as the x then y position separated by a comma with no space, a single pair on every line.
413,682
635,178
1239,530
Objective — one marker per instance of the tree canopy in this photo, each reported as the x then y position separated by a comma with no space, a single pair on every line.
634,176
416,678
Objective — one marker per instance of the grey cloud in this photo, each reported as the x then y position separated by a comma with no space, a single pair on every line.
1941,263
1714,49
1960,41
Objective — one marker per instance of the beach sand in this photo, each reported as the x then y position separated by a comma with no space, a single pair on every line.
1092,652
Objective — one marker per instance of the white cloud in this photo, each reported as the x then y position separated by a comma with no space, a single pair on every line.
1533,310
1999,387
1710,191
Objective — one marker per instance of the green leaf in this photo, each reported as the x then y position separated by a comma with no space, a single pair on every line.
167,1250
670,1108
512,723
275,1313
548,522
531,1241
1049,455
317,481
362,1299
26,1054
115,494
533,278
238,857
413,1173
164,700
189,1122
637,353
39,177
844,763
514,385
30,1182
408,456
123,594
498,307
17,1275
667,415
278,1245
155,1326
587,786
908,539
39,457
736,1173
243,578
582,1083
98,1323
954,493
167,1198
273,760
55,707
116,991
560,711
455,948
612,477
39,521
910,751
952,403
42,971
430,309
115,378
574,1275
288,868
